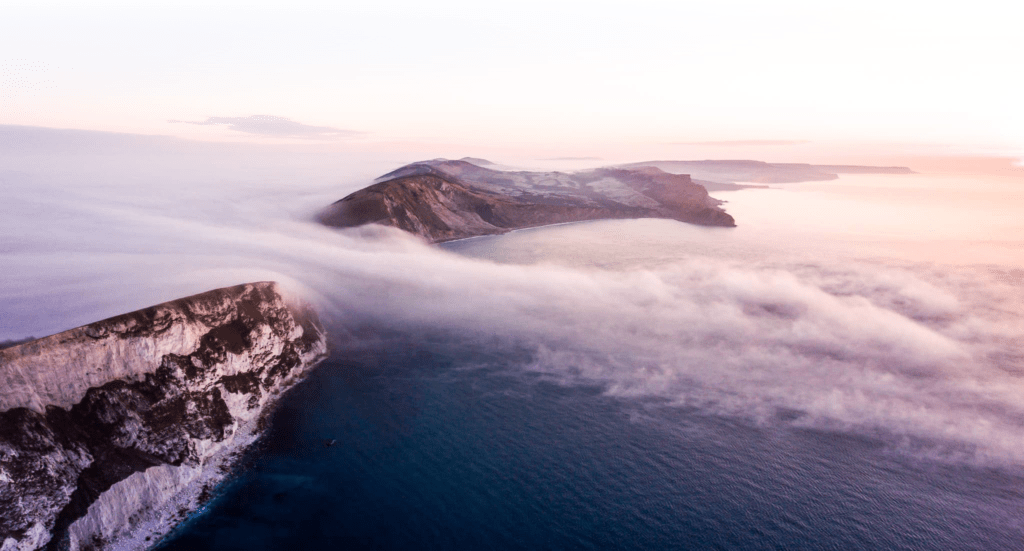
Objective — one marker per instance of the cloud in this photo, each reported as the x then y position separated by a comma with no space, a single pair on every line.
269,125
855,346
745,142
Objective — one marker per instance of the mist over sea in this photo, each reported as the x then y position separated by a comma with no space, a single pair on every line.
841,370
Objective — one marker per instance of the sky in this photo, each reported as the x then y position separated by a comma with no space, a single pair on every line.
786,80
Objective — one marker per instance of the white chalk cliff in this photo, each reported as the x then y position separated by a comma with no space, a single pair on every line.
102,426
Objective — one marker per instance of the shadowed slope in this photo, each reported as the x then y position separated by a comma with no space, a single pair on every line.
445,200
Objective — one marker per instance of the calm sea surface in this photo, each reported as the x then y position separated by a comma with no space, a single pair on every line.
467,451
815,437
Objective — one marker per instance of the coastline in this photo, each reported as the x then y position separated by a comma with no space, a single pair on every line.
193,381
153,527
556,224
521,229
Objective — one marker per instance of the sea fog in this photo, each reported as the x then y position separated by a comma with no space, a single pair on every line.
885,305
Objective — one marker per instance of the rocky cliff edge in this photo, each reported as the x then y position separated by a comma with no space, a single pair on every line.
102,426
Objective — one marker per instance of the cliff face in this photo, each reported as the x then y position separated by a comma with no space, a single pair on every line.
446,200
101,425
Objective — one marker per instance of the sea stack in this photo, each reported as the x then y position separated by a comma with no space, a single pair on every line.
103,426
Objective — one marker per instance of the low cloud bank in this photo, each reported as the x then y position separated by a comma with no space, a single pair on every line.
838,349
920,352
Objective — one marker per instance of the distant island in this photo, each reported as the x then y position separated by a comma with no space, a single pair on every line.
444,200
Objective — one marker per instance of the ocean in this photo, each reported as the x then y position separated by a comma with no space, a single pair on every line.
841,371
441,448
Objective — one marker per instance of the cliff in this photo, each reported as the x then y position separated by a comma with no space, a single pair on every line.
102,425
444,200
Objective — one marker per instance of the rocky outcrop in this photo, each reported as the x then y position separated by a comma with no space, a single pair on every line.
444,200
103,424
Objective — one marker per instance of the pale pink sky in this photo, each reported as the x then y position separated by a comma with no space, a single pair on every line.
530,79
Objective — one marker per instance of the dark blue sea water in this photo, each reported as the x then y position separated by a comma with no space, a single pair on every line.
846,381
441,446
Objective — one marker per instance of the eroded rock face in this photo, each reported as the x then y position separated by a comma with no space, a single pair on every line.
101,424
445,200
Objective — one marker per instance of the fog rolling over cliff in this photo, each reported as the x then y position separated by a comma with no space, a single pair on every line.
772,321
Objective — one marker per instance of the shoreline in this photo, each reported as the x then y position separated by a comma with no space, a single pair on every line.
190,500
522,229
569,223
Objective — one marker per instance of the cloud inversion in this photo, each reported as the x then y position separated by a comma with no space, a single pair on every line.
767,329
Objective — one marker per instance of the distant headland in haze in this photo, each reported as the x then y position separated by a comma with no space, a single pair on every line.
443,200
721,175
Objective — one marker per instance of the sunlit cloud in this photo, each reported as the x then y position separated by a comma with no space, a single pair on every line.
269,125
